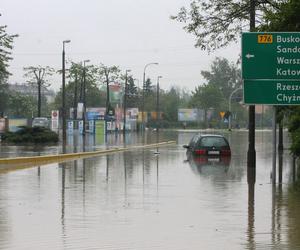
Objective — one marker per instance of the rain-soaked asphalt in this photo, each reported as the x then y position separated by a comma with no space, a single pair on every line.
141,200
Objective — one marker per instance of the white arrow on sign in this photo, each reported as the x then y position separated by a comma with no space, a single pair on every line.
249,56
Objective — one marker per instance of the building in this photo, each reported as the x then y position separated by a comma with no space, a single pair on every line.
32,90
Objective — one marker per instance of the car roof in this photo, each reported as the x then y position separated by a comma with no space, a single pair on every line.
211,135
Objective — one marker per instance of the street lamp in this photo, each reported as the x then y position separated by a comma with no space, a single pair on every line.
124,104
64,135
229,107
157,111
84,96
143,92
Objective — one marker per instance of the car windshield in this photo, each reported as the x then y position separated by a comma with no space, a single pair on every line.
213,141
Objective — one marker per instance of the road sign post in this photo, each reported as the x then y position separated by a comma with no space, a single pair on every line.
271,72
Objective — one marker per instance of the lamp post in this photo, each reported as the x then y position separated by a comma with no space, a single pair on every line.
157,111
64,135
229,107
84,96
124,104
143,92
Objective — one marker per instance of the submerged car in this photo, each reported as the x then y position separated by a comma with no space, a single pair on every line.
40,122
208,145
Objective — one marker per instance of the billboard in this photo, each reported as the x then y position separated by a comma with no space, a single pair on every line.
190,115
115,93
132,113
187,115
95,113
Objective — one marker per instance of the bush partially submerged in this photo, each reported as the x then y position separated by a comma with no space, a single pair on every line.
31,135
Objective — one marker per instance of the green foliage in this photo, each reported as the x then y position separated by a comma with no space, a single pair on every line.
75,88
216,23
206,96
283,18
171,104
37,75
223,75
30,135
133,98
6,46
4,97
222,79
107,75
21,106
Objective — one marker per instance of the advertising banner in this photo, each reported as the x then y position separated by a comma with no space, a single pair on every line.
187,115
190,115
132,113
115,93
95,113
54,120
100,131
2,125
80,127
70,127
80,110
92,126
14,124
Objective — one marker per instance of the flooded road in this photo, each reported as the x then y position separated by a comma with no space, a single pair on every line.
142,200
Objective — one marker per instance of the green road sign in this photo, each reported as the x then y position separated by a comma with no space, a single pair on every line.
272,92
273,55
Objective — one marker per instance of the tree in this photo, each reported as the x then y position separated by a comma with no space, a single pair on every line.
79,77
284,18
6,46
108,74
171,103
206,97
133,99
149,96
38,76
21,105
216,23
74,88
223,75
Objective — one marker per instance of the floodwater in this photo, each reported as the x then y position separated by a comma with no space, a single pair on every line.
142,200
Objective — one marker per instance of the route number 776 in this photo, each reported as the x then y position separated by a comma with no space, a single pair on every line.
265,38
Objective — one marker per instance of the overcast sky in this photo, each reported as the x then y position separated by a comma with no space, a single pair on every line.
126,33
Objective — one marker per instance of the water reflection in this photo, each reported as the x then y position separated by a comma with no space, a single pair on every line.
251,173
142,200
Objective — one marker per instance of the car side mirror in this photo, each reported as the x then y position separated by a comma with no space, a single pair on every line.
186,146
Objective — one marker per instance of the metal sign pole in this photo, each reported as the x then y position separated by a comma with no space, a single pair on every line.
274,146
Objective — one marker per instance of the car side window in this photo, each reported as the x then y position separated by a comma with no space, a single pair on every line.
194,141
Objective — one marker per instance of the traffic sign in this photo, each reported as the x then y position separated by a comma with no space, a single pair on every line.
272,92
271,55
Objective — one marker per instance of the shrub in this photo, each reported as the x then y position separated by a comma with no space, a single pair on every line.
31,135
